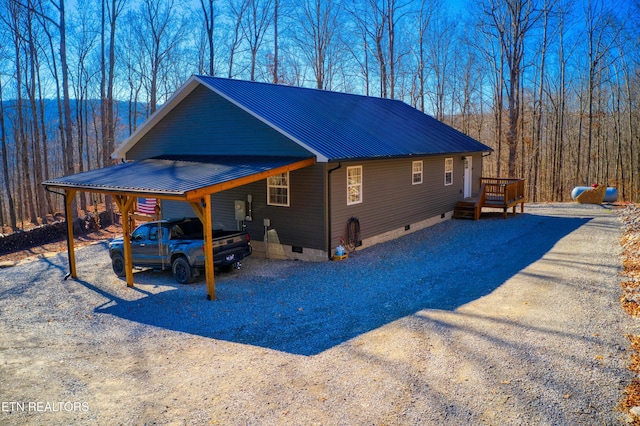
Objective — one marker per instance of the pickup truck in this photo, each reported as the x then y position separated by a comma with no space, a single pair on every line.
179,245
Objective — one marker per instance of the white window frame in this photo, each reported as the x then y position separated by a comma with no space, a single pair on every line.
354,185
276,187
417,168
448,171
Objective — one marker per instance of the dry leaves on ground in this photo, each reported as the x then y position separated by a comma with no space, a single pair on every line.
630,301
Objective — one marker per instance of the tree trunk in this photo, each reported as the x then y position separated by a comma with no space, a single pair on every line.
41,207
276,13
5,165
22,138
391,32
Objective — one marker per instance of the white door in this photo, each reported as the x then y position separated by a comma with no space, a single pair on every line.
467,176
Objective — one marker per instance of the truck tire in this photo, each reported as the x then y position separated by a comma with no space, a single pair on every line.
117,263
181,270
227,268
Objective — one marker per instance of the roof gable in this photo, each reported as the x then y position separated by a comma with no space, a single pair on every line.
331,125
205,123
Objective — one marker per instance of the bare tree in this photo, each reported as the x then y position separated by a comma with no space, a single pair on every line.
258,17
59,23
5,165
111,11
469,102
629,150
423,23
440,39
32,89
536,145
380,21
238,9
378,35
159,32
85,41
18,20
357,44
394,14
553,93
209,21
370,20
557,158
602,31
492,53
512,20
275,72
319,21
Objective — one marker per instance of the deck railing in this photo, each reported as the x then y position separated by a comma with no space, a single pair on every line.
500,193
504,190
503,193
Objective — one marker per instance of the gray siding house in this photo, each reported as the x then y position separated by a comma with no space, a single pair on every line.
380,161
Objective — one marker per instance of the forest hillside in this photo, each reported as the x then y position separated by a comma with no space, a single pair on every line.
551,85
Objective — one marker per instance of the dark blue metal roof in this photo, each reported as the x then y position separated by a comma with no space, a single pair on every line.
171,176
340,126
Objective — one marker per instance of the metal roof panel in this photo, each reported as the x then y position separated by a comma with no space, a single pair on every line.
171,175
345,126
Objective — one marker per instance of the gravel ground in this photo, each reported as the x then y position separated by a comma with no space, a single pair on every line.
495,322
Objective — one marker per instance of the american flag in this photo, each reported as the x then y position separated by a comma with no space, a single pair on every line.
147,205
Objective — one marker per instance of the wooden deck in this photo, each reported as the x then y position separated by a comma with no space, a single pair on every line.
502,193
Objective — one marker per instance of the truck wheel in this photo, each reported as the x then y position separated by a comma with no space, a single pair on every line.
117,263
226,268
181,270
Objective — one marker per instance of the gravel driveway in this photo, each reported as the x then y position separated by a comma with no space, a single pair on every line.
497,322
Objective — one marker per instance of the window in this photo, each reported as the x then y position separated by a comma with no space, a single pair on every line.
278,190
153,233
416,173
354,185
448,171
142,233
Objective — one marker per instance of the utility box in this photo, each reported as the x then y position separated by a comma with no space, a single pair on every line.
240,209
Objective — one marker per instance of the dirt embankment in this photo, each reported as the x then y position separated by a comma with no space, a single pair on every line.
630,301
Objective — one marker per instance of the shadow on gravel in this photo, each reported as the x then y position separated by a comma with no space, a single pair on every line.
306,308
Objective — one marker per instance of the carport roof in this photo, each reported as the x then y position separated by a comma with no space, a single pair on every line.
172,177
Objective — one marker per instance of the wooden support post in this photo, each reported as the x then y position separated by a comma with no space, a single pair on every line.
124,204
199,211
203,210
204,214
69,196
208,249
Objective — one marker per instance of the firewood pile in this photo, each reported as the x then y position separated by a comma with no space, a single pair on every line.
49,233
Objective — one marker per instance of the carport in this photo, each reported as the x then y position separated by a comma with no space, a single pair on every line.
179,178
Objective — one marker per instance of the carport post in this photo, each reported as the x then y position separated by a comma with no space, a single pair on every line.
208,249
124,203
68,201
203,210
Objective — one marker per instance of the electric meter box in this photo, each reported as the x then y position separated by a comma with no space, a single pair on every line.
240,209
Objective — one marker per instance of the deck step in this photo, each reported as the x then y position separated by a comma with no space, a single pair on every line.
465,210
466,204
